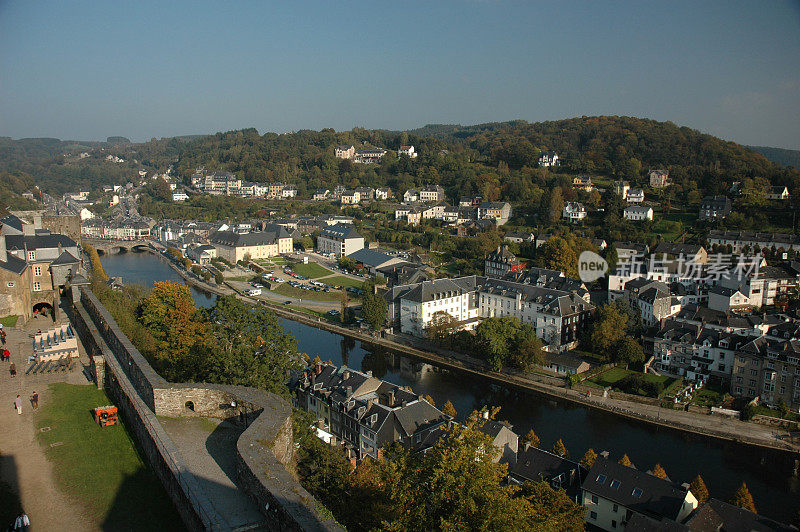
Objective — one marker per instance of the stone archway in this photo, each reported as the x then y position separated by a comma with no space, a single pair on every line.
45,306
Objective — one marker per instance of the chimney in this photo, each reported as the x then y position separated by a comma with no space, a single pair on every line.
485,414
318,369
346,374
685,486
3,252
604,454
391,399
349,391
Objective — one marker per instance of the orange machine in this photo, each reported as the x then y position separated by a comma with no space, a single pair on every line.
106,415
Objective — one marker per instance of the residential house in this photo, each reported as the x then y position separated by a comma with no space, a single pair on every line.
659,178
519,237
583,182
499,263
499,211
621,188
747,241
345,151
411,195
414,216
366,193
548,158
574,211
371,259
234,246
383,193
716,515
202,254
635,195
412,307
538,465
321,194
613,493
503,438
566,364
179,196
715,207
450,214
407,150
370,156
434,212
768,368
656,305
339,239
778,193
431,193
350,197
637,214
289,191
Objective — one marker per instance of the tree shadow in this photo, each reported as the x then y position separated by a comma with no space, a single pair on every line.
10,503
139,507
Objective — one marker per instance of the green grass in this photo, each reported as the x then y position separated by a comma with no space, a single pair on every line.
9,321
101,466
311,270
341,280
708,395
616,374
773,412
290,291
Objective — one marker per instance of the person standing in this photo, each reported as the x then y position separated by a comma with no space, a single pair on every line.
22,522
13,370
35,400
18,404
3,336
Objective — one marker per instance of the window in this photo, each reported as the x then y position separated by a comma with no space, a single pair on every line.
10,284
615,509
593,515
594,499
613,524
753,372
31,255
636,492
37,271
36,286
738,389
615,484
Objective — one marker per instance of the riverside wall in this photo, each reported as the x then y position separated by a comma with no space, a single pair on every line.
262,451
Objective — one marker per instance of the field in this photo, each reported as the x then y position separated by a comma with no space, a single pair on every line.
101,466
290,291
9,321
341,280
312,270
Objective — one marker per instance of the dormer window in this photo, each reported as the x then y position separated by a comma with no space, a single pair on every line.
32,255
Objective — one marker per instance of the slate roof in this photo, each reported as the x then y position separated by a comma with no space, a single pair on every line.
340,231
13,264
536,464
65,258
253,238
370,257
39,241
429,290
658,498
717,515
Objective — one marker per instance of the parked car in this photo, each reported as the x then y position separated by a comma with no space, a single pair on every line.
287,302
253,292
333,312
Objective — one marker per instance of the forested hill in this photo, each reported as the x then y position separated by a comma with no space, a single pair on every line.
779,155
496,160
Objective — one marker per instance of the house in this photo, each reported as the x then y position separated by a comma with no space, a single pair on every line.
345,151
365,414
467,201
778,193
716,515
431,193
372,259
613,493
202,255
767,368
659,178
450,214
370,156
621,188
234,246
566,364
749,240
321,194
548,158
715,207
656,304
407,150
635,195
179,196
637,214
366,193
503,437
499,211
519,237
411,195
538,465
383,193
434,212
583,182
414,216
499,263
339,239
726,299
35,265
350,197
574,211
289,191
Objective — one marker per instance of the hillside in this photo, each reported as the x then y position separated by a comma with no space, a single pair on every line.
779,155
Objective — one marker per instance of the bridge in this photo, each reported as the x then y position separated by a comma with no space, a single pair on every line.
113,247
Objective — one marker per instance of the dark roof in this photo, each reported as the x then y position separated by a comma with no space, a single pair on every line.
65,258
492,428
642,523
340,231
535,464
39,241
717,515
254,238
370,257
656,497
13,264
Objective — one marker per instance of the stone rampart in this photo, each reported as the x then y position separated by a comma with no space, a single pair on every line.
262,451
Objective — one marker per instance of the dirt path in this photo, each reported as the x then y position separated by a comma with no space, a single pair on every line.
24,465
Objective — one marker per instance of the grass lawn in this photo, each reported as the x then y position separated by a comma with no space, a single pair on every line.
290,291
9,321
614,375
101,466
312,270
708,396
341,280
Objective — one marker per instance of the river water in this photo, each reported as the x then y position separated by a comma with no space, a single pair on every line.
723,465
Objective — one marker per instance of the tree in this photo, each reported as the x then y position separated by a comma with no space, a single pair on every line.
608,330
554,511
612,257
625,461
449,410
97,266
219,278
555,206
430,400
374,310
557,254
441,327
629,351
659,471
589,459
527,349
560,449
531,439
699,489
161,190
743,499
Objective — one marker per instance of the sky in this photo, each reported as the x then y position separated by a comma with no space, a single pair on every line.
140,69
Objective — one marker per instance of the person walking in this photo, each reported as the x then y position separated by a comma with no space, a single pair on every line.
35,400
3,336
13,370
18,404
22,522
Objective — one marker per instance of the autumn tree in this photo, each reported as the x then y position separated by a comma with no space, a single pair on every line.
94,259
699,489
588,459
531,439
608,330
560,449
659,471
430,400
441,327
552,510
743,499
625,461
449,410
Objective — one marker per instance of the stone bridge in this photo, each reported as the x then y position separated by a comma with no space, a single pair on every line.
113,247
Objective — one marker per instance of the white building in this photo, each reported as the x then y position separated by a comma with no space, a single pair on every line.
179,196
411,195
383,193
548,158
407,150
635,195
637,214
339,239
574,211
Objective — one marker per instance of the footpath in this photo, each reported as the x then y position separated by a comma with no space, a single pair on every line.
23,464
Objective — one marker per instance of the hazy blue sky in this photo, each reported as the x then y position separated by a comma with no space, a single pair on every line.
141,69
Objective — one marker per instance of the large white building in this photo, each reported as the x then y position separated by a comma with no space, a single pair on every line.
637,214
574,211
339,239
234,246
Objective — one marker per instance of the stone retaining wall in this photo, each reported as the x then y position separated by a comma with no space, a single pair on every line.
262,451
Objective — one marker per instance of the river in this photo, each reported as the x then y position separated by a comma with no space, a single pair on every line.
723,465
